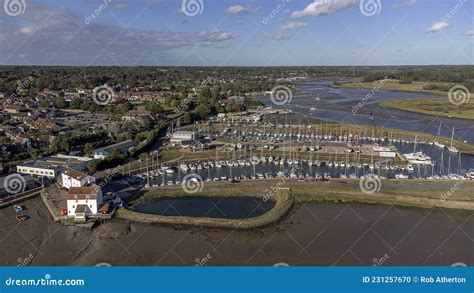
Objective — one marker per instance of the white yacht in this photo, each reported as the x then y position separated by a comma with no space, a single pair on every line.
470,174
184,167
452,148
418,158
401,176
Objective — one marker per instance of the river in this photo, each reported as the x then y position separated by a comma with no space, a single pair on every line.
337,104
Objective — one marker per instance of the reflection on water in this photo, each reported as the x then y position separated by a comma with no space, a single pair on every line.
336,105
220,207
444,163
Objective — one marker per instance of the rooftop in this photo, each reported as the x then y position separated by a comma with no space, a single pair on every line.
73,173
85,192
119,146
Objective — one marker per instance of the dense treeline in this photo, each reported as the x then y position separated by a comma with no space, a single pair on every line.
33,79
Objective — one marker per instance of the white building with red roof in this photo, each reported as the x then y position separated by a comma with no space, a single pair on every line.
73,178
84,201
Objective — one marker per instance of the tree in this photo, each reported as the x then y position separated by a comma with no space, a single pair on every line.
88,149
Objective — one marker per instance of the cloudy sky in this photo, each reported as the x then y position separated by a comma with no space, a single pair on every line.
236,32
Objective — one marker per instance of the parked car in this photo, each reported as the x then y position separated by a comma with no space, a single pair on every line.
17,208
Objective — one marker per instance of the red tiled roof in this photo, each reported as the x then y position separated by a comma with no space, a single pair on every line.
85,192
80,209
73,173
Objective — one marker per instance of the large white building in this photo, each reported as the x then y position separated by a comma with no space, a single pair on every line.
52,165
182,138
74,178
83,201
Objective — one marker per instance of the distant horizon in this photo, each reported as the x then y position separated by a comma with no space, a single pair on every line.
241,66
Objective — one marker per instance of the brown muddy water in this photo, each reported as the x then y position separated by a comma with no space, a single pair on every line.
312,234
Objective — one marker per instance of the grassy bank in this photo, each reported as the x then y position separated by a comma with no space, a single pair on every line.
408,193
434,107
394,85
413,193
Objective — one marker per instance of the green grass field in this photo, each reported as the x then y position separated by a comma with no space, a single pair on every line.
435,107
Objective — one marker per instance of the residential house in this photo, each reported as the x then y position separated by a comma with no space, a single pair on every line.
82,202
122,147
73,178
137,116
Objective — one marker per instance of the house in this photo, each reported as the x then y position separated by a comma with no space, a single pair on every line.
52,165
104,152
16,109
84,201
199,146
24,142
139,116
73,178
183,138
143,97
42,124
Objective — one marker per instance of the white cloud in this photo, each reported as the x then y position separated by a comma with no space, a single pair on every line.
27,30
216,36
280,37
320,7
438,26
292,24
404,4
469,33
237,9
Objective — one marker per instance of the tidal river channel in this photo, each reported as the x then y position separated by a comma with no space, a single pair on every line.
317,99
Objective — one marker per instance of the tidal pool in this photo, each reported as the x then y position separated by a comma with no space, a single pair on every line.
209,207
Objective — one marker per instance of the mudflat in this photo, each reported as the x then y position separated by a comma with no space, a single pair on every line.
311,234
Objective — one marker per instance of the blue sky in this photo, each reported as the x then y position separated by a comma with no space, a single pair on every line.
237,32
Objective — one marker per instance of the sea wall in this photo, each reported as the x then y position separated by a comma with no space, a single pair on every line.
283,197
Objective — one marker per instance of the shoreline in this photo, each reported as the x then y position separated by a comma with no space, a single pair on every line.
412,194
283,198
362,85
406,108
